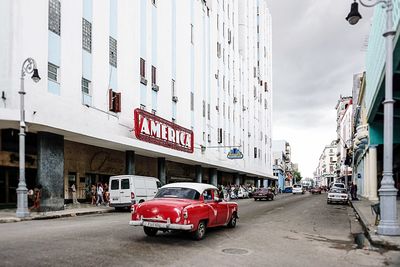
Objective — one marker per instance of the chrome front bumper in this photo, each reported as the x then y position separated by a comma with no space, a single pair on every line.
162,225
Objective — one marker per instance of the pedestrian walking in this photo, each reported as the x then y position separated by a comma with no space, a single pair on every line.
73,190
93,191
100,191
354,196
37,194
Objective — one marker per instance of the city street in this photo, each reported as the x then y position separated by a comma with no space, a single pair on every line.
292,230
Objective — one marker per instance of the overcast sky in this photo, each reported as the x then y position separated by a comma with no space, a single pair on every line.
315,54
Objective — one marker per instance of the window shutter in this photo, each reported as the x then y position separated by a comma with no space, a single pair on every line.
110,100
117,102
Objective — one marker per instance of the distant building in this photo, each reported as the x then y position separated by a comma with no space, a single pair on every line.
325,172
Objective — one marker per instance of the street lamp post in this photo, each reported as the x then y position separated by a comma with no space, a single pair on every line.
28,67
389,224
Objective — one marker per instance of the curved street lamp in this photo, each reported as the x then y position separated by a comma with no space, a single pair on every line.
28,67
389,224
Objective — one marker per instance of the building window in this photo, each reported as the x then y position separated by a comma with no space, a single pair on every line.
219,135
85,86
208,111
204,109
52,72
113,52
255,152
191,101
114,101
86,35
142,68
55,16
218,50
154,75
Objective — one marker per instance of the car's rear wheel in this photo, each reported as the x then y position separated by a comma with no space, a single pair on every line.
149,231
232,222
200,232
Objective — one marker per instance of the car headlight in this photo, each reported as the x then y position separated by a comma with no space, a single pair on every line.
185,213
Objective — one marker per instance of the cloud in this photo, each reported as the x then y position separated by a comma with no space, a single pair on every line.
315,54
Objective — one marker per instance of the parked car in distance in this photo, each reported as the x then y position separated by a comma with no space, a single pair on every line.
298,189
316,190
337,195
126,190
263,193
288,189
191,207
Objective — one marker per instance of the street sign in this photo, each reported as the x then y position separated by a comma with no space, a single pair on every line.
235,153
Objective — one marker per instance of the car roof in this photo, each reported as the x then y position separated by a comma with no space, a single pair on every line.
199,187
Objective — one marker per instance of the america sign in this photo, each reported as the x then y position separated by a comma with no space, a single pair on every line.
153,129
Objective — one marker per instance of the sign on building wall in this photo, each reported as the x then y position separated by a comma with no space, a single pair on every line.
153,129
234,153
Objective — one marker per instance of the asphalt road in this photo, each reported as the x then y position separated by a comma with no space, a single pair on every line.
292,230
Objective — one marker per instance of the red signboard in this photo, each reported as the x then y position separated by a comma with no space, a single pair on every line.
153,129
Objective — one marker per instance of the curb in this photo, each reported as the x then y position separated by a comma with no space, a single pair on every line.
370,234
53,216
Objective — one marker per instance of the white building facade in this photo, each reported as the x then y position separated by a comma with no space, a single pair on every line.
197,74
326,170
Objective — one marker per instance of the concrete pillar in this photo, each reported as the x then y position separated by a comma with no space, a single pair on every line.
366,175
373,177
213,176
199,174
258,182
265,182
162,171
130,162
237,178
50,170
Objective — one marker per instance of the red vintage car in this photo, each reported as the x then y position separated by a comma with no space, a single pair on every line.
191,207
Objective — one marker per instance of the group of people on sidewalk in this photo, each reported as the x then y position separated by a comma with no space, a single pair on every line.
100,194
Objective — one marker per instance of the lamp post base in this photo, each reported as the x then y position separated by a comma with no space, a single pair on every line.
389,224
22,200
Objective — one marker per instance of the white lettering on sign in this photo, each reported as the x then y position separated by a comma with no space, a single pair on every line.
156,130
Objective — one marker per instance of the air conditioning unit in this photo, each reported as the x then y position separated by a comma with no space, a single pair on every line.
175,98
155,87
235,99
143,80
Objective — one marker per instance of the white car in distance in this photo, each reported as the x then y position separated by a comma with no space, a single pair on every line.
298,189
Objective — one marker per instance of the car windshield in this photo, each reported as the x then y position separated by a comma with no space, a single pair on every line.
338,185
338,190
296,186
177,192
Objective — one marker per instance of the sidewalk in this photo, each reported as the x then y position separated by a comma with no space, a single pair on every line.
70,210
367,218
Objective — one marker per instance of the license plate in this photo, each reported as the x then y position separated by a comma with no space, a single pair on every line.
115,198
153,224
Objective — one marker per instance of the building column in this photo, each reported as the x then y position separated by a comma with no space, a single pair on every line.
265,182
50,170
130,162
199,174
258,182
366,175
237,178
373,177
162,171
213,176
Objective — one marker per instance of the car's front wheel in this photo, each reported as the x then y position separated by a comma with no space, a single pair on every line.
200,232
149,231
232,222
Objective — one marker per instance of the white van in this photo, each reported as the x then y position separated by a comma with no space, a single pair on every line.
126,190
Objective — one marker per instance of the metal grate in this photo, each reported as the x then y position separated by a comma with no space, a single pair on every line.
113,52
86,35
52,72
55,16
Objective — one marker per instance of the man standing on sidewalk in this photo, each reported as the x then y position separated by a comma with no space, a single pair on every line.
100,199
74,199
